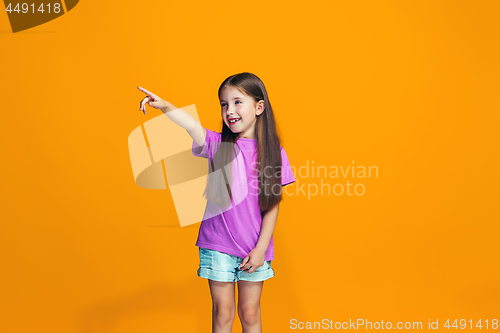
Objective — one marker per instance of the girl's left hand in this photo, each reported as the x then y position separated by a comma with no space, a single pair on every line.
253,260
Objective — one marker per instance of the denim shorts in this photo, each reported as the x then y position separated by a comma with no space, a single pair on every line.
223,267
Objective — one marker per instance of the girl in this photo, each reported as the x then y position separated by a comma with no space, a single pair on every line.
235,237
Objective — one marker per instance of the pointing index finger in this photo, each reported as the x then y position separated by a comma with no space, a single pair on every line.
143,90
150,94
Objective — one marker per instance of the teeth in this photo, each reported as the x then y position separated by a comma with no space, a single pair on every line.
233,121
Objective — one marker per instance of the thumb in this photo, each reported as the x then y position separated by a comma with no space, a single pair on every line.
244,262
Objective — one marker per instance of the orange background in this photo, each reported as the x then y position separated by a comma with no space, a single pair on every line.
409,87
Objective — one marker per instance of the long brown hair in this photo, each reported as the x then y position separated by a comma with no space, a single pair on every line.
268,149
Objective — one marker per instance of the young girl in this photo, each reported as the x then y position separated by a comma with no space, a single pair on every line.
235,237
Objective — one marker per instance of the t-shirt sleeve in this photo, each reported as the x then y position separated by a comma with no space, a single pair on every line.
205,151
287,176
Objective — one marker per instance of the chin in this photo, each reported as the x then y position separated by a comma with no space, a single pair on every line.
232,130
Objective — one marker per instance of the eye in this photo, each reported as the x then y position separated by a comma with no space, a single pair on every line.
222,104
238,101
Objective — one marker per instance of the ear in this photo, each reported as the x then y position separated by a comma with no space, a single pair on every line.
261,105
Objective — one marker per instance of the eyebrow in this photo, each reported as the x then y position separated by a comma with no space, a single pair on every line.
233,98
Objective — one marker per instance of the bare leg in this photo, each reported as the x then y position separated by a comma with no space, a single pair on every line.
223,306
249,306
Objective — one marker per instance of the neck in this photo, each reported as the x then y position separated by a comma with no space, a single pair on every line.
243,137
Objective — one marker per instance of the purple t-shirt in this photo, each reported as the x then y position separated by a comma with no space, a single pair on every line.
236,230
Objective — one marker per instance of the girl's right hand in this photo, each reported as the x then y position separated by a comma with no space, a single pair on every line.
152,100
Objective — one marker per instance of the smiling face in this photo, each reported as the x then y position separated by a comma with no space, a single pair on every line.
238,106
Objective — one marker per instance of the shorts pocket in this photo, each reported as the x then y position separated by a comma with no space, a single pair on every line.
206,258
262,273
264,267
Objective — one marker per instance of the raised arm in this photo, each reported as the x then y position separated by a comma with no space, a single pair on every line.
186,121
178,116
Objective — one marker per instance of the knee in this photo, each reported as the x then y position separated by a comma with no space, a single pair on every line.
224,314
249,314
